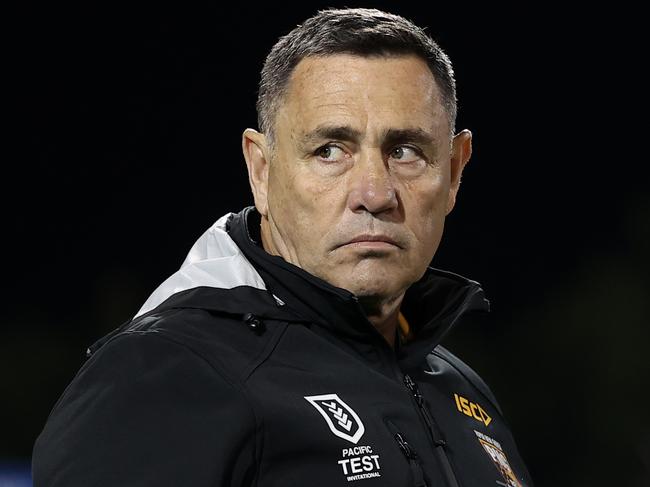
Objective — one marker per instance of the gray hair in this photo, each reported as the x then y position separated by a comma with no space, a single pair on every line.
359,31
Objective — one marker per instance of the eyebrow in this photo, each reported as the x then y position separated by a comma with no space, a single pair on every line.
389,137
415,135
342,132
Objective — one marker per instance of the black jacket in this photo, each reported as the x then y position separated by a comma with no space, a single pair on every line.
242,369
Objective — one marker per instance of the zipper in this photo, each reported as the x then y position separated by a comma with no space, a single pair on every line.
411,456
436,438
414,462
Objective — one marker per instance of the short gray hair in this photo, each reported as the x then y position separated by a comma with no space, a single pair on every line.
358,31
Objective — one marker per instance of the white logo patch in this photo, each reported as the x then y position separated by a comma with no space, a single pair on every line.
340,417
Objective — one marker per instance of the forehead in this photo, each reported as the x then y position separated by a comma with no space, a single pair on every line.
362,92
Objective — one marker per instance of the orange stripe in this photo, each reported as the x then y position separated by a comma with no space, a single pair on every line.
404,326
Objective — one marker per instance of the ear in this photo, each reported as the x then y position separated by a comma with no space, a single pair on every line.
257,161
461,151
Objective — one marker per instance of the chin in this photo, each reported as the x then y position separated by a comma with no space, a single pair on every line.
372,288
371,278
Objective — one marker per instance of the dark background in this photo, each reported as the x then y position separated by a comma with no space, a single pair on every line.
127,142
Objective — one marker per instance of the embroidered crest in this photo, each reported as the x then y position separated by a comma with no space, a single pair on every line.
494,450
341,418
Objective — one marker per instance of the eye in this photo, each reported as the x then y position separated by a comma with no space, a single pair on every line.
331,153
405,154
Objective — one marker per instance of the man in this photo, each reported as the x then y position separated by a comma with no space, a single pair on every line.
298,345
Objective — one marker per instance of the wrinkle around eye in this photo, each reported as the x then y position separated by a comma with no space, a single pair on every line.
332,148
417,154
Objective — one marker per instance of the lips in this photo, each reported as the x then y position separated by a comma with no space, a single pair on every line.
372,241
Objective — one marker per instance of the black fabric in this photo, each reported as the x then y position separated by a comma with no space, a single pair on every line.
222,387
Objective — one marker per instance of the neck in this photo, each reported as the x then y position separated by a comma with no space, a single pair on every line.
383,314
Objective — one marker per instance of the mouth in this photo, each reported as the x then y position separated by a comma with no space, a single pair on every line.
367,241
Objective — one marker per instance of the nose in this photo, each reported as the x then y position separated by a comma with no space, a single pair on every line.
371,186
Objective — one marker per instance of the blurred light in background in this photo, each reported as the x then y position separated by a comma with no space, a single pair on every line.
15,474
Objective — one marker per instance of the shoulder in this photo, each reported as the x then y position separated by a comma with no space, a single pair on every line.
136,364
440,353
140,398
224,342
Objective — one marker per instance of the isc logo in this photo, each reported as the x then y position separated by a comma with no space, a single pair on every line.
472,410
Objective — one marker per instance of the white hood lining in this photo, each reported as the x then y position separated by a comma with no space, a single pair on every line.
214,260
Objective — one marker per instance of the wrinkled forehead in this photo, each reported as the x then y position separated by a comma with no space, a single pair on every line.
363,92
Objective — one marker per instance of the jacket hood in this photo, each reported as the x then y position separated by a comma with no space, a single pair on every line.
227,257
214,261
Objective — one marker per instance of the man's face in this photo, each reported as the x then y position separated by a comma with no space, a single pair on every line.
358,183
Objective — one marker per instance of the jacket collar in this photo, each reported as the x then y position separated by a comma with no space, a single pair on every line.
227,270
432,306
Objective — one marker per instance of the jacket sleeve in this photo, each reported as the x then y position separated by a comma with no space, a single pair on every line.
146,411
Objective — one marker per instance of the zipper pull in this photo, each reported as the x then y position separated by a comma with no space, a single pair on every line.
405,447
419,399
413,388
412,457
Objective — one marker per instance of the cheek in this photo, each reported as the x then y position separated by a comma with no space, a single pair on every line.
300,204
425,207
313,194
427,191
